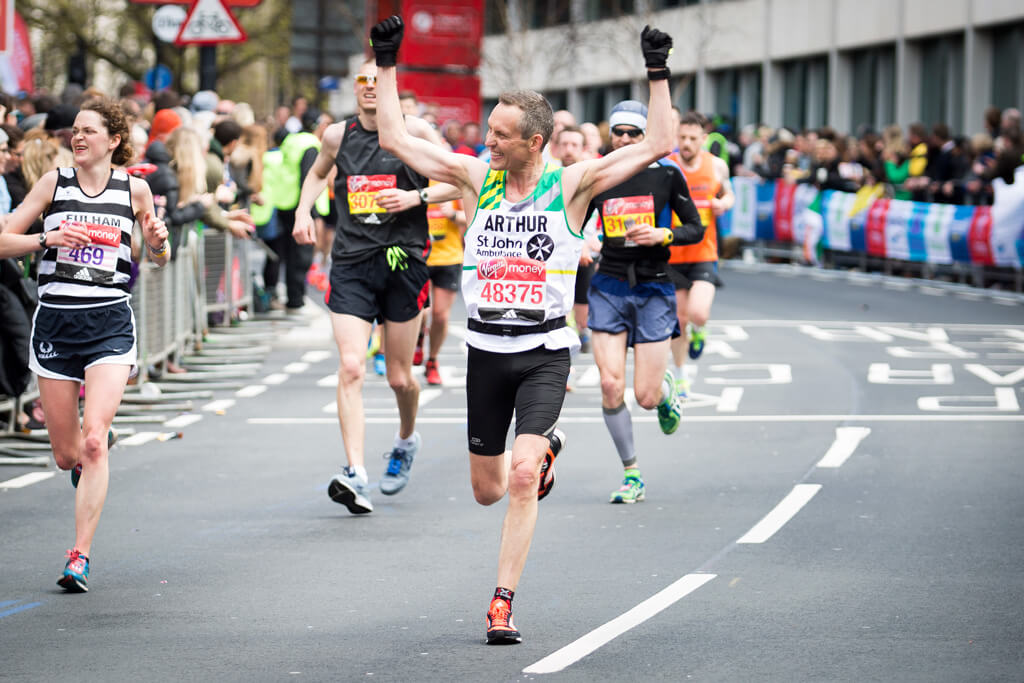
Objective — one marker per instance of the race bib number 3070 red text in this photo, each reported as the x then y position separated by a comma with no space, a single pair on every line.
363,189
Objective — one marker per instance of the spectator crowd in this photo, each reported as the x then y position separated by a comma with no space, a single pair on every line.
210,159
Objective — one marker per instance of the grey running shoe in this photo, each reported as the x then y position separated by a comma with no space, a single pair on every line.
397,474
349,490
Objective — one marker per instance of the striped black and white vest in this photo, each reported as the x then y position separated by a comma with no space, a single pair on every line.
98,273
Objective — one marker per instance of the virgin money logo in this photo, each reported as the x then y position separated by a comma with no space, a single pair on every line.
492,269
104,234
613,207
371,183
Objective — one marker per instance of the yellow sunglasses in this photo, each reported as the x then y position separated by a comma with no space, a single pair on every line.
366,79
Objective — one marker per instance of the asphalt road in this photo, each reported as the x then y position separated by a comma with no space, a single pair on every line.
842,503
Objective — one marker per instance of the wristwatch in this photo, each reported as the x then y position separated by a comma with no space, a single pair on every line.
423,195
42,239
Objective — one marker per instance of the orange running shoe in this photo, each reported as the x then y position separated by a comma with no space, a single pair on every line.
547,468
500,629
432,374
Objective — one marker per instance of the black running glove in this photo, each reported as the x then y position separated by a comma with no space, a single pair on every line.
386,38
656,47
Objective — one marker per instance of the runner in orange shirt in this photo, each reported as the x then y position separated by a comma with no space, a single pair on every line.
696,266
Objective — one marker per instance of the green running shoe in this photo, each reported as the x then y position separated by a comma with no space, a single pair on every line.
697,337
670,410
682,387
632,489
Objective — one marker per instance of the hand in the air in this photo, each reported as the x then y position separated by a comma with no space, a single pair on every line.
386,38
656,46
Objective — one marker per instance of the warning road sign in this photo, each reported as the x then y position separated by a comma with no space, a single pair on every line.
210,22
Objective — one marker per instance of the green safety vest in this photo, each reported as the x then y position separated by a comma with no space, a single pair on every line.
723,145
287,196
272,162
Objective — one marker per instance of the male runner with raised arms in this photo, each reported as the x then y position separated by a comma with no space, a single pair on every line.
696,265
522,248
378,272
631,299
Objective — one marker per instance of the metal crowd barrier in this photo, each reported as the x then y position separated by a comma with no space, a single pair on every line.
227,287
206,285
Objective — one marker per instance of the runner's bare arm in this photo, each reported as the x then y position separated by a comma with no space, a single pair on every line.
13,240
725,199
315,182
154,230
393,199
583,180
465,172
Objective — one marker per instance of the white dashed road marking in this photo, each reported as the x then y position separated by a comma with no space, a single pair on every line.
783,512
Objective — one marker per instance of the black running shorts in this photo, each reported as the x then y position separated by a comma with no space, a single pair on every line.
66,341
370,290
446,277
532,383
688,273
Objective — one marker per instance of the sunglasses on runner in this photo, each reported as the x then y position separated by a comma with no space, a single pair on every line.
631,132
366,79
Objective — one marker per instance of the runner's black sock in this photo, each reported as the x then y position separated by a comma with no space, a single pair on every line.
504,594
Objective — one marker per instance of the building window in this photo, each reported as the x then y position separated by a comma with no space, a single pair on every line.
496,17
873,93
607,9
558,99
804,93
598,101
685,91
666,4
942,81
542,13
1008,67
737,95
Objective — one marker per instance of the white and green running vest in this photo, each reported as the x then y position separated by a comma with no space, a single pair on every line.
520,264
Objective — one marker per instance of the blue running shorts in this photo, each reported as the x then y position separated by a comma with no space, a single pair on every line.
646,313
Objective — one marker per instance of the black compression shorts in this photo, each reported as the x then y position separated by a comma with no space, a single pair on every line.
530,382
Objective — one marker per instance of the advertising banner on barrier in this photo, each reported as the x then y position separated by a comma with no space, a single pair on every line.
886,228
744,211
765,227
1008,221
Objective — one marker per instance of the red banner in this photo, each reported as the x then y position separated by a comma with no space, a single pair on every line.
21,56
456,96
978,238
875,227
784,193
442,34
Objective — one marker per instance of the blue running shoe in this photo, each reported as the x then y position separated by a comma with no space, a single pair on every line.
697,338
379,366
350,490
397,475
76,573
